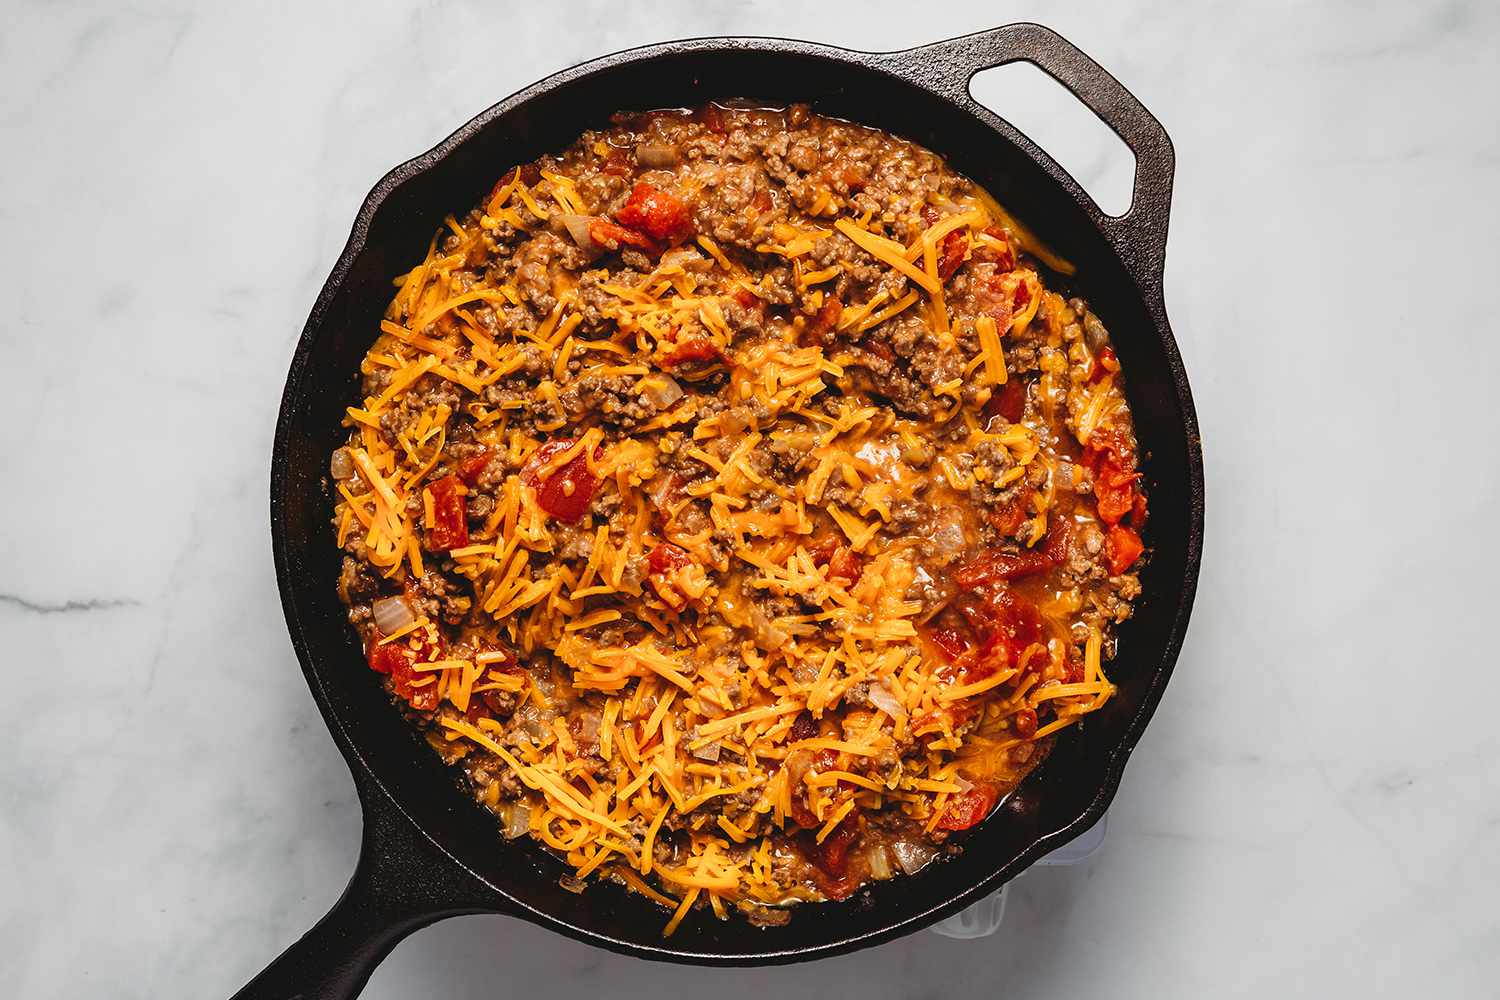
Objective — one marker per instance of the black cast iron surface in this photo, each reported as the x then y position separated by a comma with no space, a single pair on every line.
428,851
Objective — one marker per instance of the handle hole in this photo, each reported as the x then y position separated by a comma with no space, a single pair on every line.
1049,115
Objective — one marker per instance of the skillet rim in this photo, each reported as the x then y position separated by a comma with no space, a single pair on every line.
890,64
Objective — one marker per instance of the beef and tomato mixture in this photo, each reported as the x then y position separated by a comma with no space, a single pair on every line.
735,505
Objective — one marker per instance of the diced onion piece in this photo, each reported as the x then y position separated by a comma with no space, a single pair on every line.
392,614
767,916
656,155
881,698
531,721
947,535
912,855
341,465
1094,333
768,636
588,727
516,819
879,860
797,764
578,228
660,490
546,685
660,390
687,258
734,419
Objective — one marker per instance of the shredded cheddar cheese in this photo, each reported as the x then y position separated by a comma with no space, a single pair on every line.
715,545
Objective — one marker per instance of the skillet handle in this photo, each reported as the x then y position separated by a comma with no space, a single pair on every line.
1140,235
400,885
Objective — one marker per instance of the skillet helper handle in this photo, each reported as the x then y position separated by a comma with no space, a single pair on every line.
1141,233
400,885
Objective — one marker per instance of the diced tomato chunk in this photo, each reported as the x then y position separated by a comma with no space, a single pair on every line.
994,565
746,298
663,563
1123,546
801,813
1114,480
1026,723
1138,512
1017,619
1013,625
1003,258
450,519
822,550
1111,443
619,161
655,212
1004,623
997,564
1115,494
399,657
1055,548
990,294
951,250
612,236
978,660
667,558
1008,519
1023,295
1007,401
830,859
387,658
1105,363
967,809
832,854
694,349
818,331
955,245
470,468
844,564
950,641
828,315
1014,565
566,493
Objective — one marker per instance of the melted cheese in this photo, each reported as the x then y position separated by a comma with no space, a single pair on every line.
694,717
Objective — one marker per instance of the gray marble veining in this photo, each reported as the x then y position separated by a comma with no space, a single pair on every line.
1314,810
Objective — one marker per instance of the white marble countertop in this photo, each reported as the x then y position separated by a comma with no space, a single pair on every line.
1314,810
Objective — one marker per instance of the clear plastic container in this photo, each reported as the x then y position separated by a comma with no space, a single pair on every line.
984,917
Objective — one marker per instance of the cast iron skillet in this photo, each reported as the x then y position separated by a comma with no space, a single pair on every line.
428,851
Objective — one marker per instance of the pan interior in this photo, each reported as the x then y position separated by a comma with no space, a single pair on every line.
1057,801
